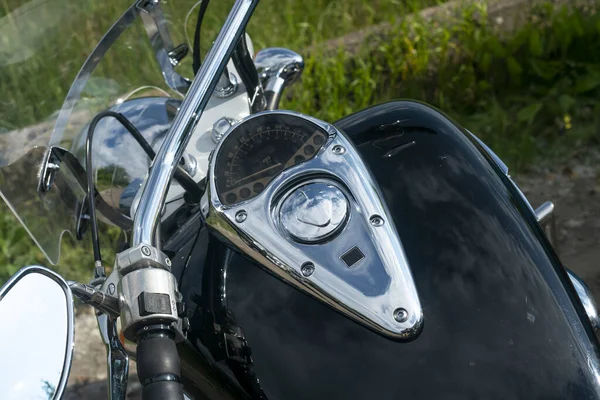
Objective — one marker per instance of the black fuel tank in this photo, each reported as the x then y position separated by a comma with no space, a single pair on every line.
501,319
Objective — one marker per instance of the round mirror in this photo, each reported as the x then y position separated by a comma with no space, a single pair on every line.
36,335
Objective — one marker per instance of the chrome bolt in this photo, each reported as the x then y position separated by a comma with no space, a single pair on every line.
168,261
111,289
400,315
241,216
338,150
376,220
146,251
307,269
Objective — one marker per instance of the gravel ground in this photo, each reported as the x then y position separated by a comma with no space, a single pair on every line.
574,187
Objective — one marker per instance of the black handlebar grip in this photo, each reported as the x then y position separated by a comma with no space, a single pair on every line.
158,368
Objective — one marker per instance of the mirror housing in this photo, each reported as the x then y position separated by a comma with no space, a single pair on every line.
36,336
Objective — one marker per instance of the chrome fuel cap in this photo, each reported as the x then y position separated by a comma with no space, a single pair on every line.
314,212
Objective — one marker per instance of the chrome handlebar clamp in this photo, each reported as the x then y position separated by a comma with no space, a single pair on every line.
148,291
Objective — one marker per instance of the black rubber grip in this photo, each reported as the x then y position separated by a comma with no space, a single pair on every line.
159,369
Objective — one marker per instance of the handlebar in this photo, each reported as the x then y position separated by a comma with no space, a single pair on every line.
159,368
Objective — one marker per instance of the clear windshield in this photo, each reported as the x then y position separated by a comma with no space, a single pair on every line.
47,99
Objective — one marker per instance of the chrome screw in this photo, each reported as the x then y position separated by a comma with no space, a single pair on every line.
400,315
241,216
376,220
307,269
146,251
168,261
338,150
111,289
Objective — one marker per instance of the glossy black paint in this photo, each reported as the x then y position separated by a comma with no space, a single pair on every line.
501,317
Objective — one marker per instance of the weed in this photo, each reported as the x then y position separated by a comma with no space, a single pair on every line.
528,94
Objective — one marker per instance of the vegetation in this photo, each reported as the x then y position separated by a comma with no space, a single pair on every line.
529,94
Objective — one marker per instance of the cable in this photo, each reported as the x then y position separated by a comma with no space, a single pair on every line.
196,62
181,176
99,269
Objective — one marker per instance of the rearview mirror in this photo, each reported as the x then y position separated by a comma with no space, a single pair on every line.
36,335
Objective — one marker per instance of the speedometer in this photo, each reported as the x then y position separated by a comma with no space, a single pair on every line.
260,148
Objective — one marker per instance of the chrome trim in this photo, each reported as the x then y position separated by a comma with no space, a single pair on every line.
96,298
369,292
37,269
190,164
545,217
587,299
544,213
278,68
313,211
227,85
117,359
178,54
220,128
157,185
166,54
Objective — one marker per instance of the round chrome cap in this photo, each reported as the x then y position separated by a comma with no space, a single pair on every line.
314,212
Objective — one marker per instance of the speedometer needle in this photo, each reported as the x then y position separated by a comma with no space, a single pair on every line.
259,172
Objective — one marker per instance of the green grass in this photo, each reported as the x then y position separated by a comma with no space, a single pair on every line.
531,95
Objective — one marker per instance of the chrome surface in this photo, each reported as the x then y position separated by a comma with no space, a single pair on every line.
166,54
545,217
278,68
96,298
22,386
190,164
544,212
157,185
150,280
144,268
367,292
587,299
178,54
227,85
116,356
220,127
314,211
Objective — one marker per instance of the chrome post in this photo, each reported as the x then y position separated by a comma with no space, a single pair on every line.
155,191
277,68
545,217
227,85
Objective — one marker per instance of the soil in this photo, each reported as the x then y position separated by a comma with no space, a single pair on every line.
573,187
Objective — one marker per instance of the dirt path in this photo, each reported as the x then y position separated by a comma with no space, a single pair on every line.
574,187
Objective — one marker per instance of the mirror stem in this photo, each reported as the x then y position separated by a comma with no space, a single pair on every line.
89,295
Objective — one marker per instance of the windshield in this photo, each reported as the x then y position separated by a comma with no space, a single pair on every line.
49,94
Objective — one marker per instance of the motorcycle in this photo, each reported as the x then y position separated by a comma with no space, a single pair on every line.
267,254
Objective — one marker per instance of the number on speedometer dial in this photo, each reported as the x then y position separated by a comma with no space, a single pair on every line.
258,149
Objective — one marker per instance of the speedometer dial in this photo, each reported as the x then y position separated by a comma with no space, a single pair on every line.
258,149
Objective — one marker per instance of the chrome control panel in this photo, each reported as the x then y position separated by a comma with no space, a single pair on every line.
318,220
